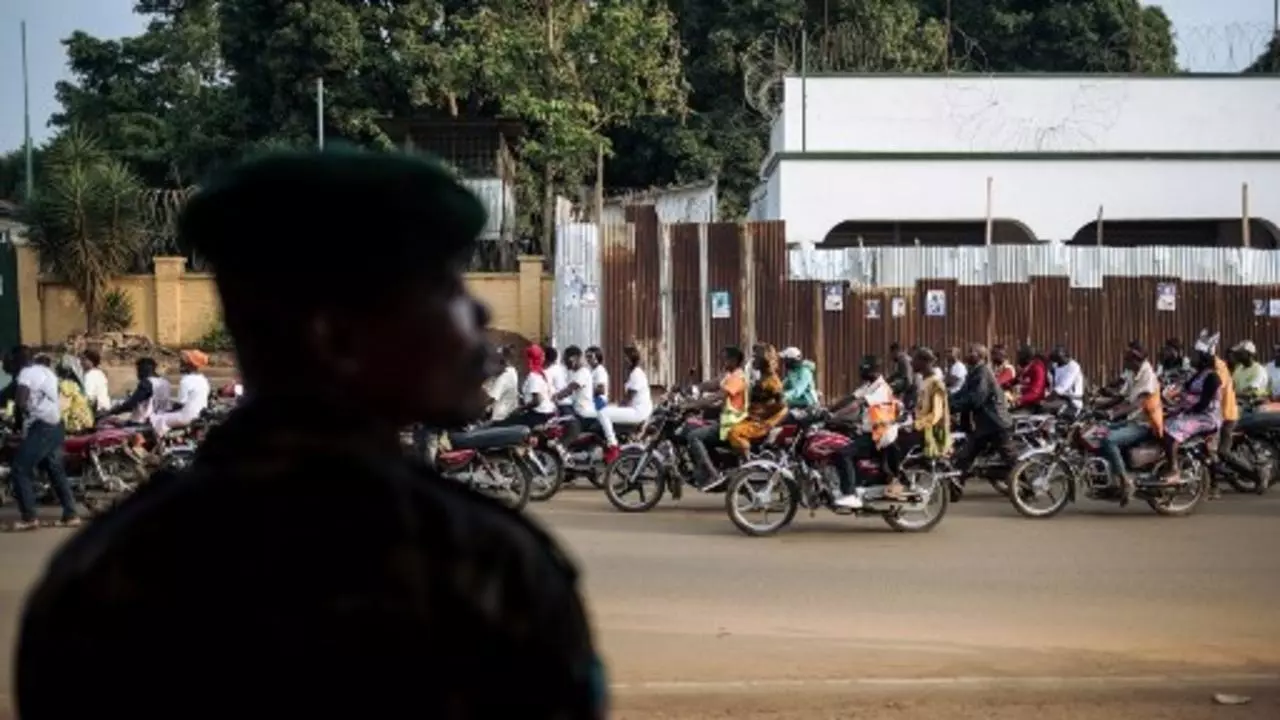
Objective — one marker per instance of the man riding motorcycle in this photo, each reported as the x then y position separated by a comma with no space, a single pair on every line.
1140,405
981,397
730,393
1067,394
875,402
1033,378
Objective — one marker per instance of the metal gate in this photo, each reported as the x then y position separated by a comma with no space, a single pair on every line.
9,333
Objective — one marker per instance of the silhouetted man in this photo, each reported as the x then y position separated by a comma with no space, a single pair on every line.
303,567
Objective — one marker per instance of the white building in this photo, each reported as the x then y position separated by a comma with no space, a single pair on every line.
892,157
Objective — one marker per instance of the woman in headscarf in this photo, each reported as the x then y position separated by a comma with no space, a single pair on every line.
193,394
536,404
77,416
766,407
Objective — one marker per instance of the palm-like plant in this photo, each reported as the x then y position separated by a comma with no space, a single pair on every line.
85,218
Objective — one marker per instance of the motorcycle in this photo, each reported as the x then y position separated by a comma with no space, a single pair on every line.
1077,467
545,462
490,461
99,466
660,460
804,475
1256,441
1030,432
584,456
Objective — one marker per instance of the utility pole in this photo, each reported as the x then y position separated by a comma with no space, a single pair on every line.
26,119
320,113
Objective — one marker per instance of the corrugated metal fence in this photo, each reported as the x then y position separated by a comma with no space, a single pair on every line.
681,292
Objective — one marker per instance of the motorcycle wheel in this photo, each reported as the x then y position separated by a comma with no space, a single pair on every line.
617,480
1192,493
518,481
547,485
935,506
1023,477
746,486
1255,451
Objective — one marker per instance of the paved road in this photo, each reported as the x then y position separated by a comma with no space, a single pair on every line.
695,618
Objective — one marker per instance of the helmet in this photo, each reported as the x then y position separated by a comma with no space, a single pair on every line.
791,353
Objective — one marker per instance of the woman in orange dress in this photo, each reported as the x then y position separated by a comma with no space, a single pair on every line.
766,406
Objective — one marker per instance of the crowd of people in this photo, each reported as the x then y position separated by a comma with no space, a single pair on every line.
46,401
982,388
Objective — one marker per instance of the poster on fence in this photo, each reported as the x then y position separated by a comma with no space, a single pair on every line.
1274,307
935,303
873,308
1166,297
720,307
1259,307
898,307
833,297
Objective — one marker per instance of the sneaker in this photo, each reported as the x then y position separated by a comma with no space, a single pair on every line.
73,521
611,454
850,501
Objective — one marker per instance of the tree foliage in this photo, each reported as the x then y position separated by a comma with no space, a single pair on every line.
1269,60
85,220
673,91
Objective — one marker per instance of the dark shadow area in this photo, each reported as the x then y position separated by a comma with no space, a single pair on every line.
1225,232
911,233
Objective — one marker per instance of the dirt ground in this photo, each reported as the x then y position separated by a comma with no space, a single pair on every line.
1077,704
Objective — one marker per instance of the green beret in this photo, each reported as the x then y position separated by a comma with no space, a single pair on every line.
340,212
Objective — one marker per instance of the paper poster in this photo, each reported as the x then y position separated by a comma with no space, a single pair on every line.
1274,307
833,297
935,303
898,306
873,309
1166,297
589,296
720,307
1259,307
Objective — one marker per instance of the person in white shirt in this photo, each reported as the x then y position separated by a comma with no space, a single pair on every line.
599,377
536,404
37,404
578,391
638,407
96,389
1273,372
957,371
504,388
149,397
1068,379
193,394
558,377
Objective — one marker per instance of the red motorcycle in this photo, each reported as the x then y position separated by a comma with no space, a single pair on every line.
99,465
804,475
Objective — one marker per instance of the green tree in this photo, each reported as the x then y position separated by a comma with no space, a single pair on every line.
159,101
1269,60
1063,36
573,71
85,219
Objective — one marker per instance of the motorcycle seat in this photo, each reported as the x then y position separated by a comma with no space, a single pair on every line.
1259,420
99,438
489,438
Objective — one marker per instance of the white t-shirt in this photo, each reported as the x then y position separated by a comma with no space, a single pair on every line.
638,383
558,376
505,391
193,396
1068,382
42,394
536,384
583,402
600,376
957,373
96,390
1273,378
